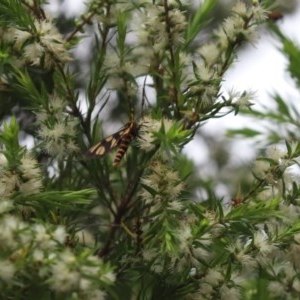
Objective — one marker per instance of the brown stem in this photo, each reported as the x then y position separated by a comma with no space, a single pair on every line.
121,211
172,58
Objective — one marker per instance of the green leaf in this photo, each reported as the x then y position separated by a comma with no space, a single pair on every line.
255,212
122,31
12,12
10,139
64,200
292,51
282,107
199,20
247,132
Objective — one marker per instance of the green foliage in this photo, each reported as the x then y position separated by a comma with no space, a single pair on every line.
199,19
291,50
9,137
12,14
76,226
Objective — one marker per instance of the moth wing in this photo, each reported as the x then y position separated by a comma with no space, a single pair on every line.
108,144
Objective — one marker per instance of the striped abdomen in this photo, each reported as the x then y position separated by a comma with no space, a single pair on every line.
127,137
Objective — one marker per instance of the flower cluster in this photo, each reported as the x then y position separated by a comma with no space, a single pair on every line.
214,285
160,27
162,195
57,128
81,275
278,169
149,127
241,25
41,45
241,100
246,256
39,248
27,179
166,186
203,73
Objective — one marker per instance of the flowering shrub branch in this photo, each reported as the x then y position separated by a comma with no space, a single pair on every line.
74,226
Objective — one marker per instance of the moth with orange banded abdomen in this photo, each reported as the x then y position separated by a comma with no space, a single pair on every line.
121,140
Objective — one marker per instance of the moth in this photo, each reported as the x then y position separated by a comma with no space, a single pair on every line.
120,139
